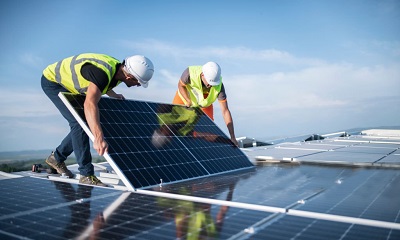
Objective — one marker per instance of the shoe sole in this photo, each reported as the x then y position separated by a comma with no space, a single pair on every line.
51,170
88,184
54,170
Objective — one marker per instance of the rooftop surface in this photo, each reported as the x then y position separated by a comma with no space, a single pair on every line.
335,188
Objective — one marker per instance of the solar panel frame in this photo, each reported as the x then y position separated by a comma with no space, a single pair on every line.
188,158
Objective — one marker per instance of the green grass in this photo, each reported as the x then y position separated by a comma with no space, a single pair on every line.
18,166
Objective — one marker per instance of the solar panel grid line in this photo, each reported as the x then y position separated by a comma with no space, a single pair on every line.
204,127
54,206
376,195
12,235
266,222
294,228
212,201
194,157
373,147
306,155
351,193
397,218
311,149
129,130
181,174
234,227
339,202
351,142
124,220
318,228
367,141
344,219
106,213
376,161
174,134
292,212
123,179
261,224
76,115
320,235
308,226
74,112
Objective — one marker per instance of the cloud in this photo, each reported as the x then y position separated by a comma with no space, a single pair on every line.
270,87
162,88
300,94
318,84
31,60
391,47
168,78
375,49
326,86
57,125
22,133
232,53
25,103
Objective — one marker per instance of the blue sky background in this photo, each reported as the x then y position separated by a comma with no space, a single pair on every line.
289,67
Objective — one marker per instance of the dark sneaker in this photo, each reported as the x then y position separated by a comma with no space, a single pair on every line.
91,180
59,167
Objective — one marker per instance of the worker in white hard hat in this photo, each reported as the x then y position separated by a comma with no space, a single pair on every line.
93,75
201,86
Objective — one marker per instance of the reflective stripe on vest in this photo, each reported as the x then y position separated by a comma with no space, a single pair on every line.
195,89
74,77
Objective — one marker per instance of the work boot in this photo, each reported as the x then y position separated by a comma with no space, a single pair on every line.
59,167
91,180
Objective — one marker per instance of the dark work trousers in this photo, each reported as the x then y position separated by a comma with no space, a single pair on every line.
77,140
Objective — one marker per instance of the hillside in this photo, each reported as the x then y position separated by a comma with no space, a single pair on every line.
23,160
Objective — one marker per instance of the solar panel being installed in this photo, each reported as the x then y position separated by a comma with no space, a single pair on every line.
153,143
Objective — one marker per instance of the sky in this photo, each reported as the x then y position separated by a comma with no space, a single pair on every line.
289,67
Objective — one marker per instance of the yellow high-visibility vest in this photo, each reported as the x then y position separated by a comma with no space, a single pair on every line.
67,72
195,89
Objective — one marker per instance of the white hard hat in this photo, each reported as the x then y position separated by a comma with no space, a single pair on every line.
141,68
212,73
159,140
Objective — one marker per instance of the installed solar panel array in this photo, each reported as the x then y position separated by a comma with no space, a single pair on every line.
269,202
302,202
356,150
152,143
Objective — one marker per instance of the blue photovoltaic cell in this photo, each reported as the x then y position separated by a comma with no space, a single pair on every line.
153,143
36,208
60,210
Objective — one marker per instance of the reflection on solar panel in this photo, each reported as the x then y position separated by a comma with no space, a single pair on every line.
152,143
302,202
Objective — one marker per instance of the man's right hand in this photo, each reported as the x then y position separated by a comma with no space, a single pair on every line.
100,145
